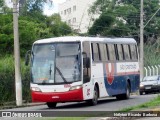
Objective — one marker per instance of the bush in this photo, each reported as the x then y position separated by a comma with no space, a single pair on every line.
7,77
151,54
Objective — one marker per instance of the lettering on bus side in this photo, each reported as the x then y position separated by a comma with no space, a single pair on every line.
129,66
67,86
88,92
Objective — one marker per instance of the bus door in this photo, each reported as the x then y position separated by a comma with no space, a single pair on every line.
87,84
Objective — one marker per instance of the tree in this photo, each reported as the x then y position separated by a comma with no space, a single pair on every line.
29,31
1,3
126,16
32,7
32,26
6,33
102,24
57,27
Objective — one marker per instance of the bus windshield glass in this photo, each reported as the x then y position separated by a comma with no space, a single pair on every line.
56,63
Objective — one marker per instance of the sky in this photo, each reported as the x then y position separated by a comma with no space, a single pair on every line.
47,9
54,9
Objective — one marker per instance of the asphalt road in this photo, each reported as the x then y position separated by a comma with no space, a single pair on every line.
107,104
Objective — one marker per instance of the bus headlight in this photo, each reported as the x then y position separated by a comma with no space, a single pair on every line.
76,87
36,89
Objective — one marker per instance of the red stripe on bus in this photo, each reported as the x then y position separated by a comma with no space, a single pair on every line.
110,72
127,73
74,95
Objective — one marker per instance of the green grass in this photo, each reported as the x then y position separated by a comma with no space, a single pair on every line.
152,103
151,54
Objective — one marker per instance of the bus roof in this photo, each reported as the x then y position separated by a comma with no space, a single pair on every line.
92,39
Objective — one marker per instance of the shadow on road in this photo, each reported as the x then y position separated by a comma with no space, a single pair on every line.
85,104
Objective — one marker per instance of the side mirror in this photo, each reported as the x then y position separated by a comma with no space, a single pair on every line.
27,57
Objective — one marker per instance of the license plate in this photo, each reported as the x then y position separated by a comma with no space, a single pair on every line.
147,87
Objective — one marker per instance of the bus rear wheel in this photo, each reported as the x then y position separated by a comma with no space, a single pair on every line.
126,95
51,104
128,92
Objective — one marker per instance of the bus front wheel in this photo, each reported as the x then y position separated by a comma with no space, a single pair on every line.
51,104
140,92
94,100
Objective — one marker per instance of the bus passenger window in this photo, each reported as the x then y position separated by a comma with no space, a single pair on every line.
99,53
130,52
120,52
126,52
111,50
103,52
133,52
136,51
116,51
107,52
95,52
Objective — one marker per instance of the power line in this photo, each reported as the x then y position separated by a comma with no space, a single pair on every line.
120,29
151,18
8,12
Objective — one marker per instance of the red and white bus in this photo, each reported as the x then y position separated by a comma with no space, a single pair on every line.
71,69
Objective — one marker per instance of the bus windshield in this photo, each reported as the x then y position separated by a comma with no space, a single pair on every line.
56,63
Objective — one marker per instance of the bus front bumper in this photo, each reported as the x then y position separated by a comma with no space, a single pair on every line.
69,96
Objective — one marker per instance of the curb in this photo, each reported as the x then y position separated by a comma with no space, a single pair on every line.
24,105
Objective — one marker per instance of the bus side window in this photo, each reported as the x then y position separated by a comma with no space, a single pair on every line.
99,53
107,52
111,50
133,52
136,52
130,54
116,51
103,52
92,51
120,52
95,52
126,52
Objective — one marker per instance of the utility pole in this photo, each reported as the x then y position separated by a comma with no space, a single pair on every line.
18,82
141,42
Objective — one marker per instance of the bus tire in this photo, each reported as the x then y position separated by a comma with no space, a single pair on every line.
126,95
51,104
128,91
94,100
141,93
119,97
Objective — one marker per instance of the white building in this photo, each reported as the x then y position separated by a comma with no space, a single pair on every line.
75,13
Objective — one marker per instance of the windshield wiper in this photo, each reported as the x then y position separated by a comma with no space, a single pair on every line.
60,73
148,80
50,70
